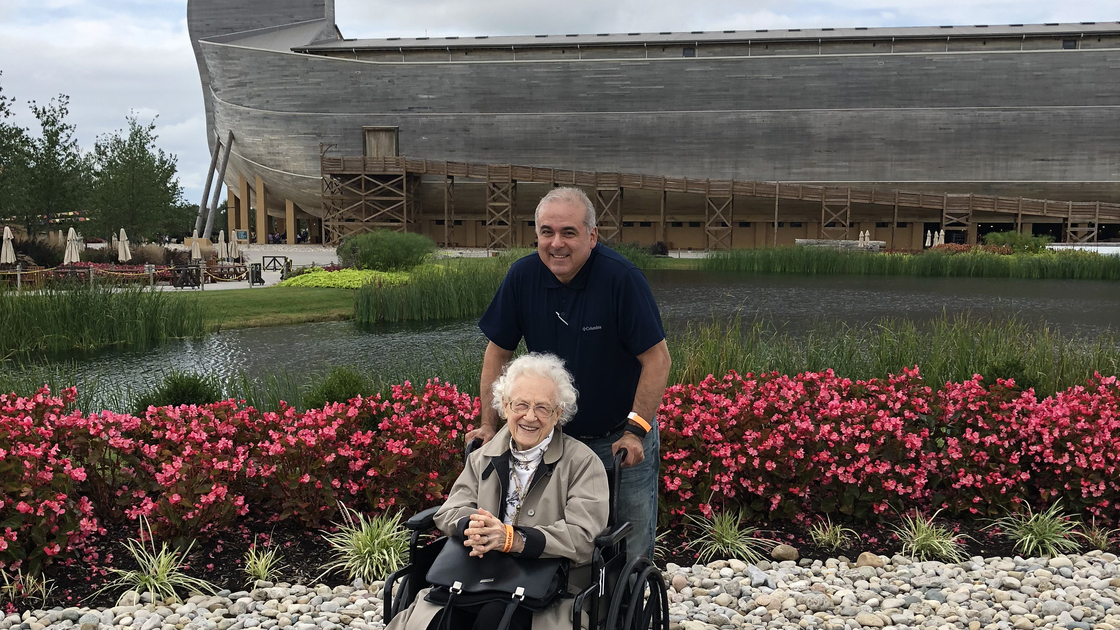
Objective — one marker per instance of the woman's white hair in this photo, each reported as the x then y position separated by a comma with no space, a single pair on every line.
542,364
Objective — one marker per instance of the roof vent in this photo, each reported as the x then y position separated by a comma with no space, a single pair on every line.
981,26
861,28
697,32
1052,24
828,29
420,38
1014,24
602,34
481,36
666,32
453,37
393,39
1088,22
795,30
633,33
763,30
943,26
572,35
729,31
542,36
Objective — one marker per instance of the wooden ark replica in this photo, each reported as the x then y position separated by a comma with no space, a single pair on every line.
702,140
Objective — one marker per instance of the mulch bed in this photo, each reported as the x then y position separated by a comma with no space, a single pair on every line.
220,559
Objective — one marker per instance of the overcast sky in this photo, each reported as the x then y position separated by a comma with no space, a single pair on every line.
116,56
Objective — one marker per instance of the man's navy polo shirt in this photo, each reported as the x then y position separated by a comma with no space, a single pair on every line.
598,324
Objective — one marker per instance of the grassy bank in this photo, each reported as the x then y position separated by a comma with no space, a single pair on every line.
84,318
271,306
1048,265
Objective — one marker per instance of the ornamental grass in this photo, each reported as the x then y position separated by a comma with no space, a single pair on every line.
86,317
976,263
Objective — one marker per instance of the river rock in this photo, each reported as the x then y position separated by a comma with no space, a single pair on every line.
783,553
868,559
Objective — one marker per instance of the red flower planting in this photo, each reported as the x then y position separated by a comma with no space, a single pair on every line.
783,447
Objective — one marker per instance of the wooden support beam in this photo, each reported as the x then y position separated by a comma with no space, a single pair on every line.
717,220
290,221
608,214
243,200
499,214
262,222
449,211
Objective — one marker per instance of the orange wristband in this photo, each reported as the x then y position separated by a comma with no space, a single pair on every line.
509,539
640,421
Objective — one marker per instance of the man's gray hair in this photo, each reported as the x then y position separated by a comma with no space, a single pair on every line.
573,196
542,364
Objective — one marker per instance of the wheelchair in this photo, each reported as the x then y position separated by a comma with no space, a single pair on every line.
626,595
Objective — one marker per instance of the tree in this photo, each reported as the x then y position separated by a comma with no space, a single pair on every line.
135,184
59,176
15,156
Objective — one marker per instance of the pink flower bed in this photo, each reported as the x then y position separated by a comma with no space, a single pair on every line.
194,469
784,447
797,446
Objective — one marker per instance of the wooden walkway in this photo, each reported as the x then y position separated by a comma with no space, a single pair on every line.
385,182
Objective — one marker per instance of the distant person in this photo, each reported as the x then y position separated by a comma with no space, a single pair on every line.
594,309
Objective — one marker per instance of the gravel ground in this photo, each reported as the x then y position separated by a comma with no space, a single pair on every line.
873,592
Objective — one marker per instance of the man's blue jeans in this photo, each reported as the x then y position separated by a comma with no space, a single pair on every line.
637,496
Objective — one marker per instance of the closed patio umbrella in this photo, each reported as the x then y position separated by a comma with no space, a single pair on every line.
941,238
234,249
223,250
196,251
8,253
70,256
123,253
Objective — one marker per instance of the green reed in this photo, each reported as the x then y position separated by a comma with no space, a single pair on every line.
87,317
1049,265
949,349
454,290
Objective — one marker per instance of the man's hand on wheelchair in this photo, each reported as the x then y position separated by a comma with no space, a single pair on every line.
485,432
635,454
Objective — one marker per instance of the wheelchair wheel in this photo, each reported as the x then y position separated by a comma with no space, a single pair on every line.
640,601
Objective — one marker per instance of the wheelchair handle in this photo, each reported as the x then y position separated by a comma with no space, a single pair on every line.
471,446
615,481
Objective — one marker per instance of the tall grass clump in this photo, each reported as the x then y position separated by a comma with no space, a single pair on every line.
948,349
1045,265
385,250
87,317
454,290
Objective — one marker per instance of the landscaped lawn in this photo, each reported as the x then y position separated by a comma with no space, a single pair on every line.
272,306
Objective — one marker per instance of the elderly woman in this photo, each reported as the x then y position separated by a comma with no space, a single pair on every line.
550,489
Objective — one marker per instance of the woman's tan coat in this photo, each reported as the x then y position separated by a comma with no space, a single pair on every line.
567,503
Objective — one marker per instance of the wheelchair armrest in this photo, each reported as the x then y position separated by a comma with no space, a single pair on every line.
422,520
612,536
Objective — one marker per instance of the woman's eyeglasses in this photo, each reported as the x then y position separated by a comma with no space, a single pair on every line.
521,407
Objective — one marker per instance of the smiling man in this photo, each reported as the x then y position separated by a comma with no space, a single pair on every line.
594,309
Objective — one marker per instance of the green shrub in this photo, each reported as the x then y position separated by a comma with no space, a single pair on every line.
344,278
725,536
1019,243
384,250
367,548
340,385
44,254
641,257
181,388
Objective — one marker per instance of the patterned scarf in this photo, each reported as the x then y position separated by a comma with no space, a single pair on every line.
522,465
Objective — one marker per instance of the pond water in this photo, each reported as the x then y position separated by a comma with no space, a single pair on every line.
795,302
